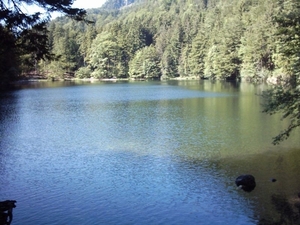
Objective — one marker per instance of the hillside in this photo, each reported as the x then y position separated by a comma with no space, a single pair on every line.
116,4
215,39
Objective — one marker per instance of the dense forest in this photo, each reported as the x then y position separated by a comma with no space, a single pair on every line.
216,39
161,39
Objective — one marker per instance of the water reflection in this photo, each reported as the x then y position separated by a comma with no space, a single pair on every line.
271,202
288,211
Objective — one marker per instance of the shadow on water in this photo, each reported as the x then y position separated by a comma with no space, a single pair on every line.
275,201
7,111
288,210
276,198
7,104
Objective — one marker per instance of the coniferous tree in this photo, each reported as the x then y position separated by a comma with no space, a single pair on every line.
198,53
257,42
28,31
211,39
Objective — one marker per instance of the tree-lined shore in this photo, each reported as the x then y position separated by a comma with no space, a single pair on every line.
208,39
214,39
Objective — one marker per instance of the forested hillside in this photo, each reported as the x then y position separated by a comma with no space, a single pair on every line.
116,4
216,39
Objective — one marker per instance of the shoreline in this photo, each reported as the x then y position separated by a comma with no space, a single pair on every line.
103,79
270,80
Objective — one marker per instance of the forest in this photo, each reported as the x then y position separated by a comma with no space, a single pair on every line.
161,39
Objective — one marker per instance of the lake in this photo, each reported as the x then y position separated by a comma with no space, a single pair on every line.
144,153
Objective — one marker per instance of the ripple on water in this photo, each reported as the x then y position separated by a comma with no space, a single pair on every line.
132,154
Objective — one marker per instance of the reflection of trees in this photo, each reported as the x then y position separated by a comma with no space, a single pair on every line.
7,101
272,202
288,211
8,111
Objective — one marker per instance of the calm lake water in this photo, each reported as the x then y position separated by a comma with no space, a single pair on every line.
144,153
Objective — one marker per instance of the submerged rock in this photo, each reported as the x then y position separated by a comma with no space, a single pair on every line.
246,182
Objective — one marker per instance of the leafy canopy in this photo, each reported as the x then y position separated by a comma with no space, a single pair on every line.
24,36
285,98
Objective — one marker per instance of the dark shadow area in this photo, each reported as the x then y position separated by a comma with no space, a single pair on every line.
288,210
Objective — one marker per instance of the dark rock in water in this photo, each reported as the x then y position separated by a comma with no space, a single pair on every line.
273,180
246,182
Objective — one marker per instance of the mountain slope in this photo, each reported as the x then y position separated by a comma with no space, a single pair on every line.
216,39
116,4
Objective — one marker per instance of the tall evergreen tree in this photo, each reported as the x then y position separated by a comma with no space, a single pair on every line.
198,53
257,41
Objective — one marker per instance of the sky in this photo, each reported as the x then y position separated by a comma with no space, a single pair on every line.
84,4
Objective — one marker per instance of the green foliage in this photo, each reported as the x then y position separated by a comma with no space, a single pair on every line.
287,51
104,57
116,4
145,64
207,38
284,99
210,39
210,66
28,33
172,51
65,47
198,54
83,72
257,42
